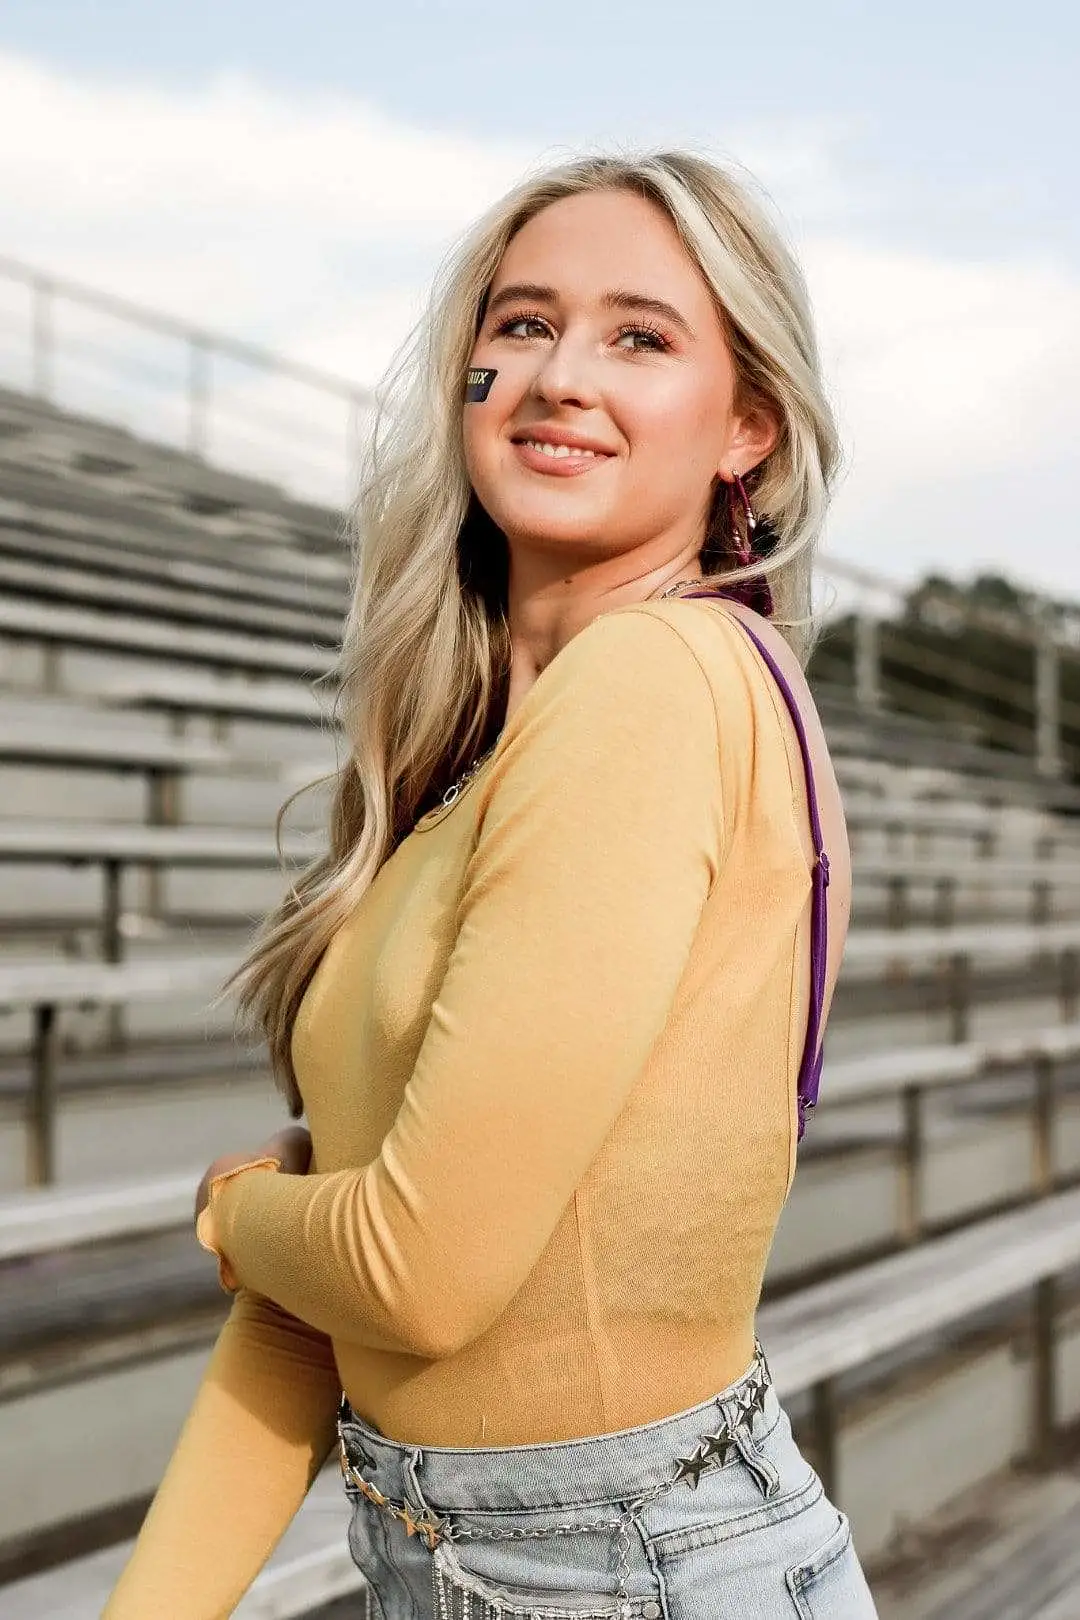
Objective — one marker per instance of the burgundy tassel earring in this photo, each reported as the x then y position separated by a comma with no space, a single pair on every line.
753,591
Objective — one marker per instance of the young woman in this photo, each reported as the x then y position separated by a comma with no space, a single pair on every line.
553,1002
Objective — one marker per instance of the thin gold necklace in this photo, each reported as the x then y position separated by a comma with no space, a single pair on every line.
678,585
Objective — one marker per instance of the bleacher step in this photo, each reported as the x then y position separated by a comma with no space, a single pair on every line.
960,1565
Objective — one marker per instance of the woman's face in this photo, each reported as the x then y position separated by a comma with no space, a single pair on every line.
609,350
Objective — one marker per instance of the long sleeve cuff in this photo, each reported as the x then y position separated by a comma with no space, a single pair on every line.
205,1229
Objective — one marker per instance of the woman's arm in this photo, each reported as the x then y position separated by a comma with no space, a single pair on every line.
261,1426
601,834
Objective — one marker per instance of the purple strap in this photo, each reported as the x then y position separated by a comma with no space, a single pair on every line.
810,1068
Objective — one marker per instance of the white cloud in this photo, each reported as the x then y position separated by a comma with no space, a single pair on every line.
943,360
957,391
208,200
306,224
312,224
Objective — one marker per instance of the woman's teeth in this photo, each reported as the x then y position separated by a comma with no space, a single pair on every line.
557,451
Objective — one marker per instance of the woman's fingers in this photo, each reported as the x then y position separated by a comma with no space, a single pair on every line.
227,1161
292,1145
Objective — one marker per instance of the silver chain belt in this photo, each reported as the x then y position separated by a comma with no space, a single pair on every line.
713,1451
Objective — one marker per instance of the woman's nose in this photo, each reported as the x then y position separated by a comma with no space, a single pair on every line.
567,375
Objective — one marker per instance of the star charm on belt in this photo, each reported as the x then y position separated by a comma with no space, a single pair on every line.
426,1524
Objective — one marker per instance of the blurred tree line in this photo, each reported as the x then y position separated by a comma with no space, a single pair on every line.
966,655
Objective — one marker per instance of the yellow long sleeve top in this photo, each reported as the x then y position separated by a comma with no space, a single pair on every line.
549,1070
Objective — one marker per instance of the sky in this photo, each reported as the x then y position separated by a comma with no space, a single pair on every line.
293,175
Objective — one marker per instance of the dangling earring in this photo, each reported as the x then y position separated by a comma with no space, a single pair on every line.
755,591
745,540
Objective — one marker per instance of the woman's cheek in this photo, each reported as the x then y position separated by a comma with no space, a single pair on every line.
479,447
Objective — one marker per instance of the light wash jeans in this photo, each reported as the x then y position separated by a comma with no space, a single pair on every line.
748,1532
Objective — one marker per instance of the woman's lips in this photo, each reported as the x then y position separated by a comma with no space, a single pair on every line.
559,461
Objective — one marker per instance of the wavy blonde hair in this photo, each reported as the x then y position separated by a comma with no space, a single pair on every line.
425,651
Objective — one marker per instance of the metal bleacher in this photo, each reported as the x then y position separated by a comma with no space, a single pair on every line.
165,629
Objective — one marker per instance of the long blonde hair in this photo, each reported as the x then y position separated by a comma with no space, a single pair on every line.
425,650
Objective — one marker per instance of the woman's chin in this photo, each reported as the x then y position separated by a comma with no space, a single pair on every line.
585,527
578,543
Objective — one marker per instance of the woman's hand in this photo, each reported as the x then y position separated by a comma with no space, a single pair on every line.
292,1145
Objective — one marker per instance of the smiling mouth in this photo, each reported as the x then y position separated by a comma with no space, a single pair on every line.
561,453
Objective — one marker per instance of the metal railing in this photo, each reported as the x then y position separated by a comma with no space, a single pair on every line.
216,397
1010,679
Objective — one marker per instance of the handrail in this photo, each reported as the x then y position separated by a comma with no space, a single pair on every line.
203,346
43,1220
817,1335
1011,624
973,682
880,656
155,320
45,988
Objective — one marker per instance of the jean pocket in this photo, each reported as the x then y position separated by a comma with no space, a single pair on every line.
461,1592
744,1522
830,1584
735,1565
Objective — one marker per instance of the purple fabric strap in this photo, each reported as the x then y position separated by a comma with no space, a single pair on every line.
810,1068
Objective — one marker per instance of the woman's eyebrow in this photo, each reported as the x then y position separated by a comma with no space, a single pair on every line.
642,304
618,298
518,292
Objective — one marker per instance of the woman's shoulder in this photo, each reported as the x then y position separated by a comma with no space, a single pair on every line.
627,689
659,663
762,697
627,659
739,654
727,636
642,642
768,719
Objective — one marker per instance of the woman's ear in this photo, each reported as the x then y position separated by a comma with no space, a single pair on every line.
756,434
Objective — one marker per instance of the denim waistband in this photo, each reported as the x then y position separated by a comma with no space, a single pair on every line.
552,1475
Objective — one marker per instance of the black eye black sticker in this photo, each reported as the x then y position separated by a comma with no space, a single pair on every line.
478,384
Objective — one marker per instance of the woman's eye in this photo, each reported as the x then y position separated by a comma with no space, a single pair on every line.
523,326
632,339
643,337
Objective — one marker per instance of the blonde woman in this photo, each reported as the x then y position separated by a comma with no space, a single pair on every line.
552,1003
